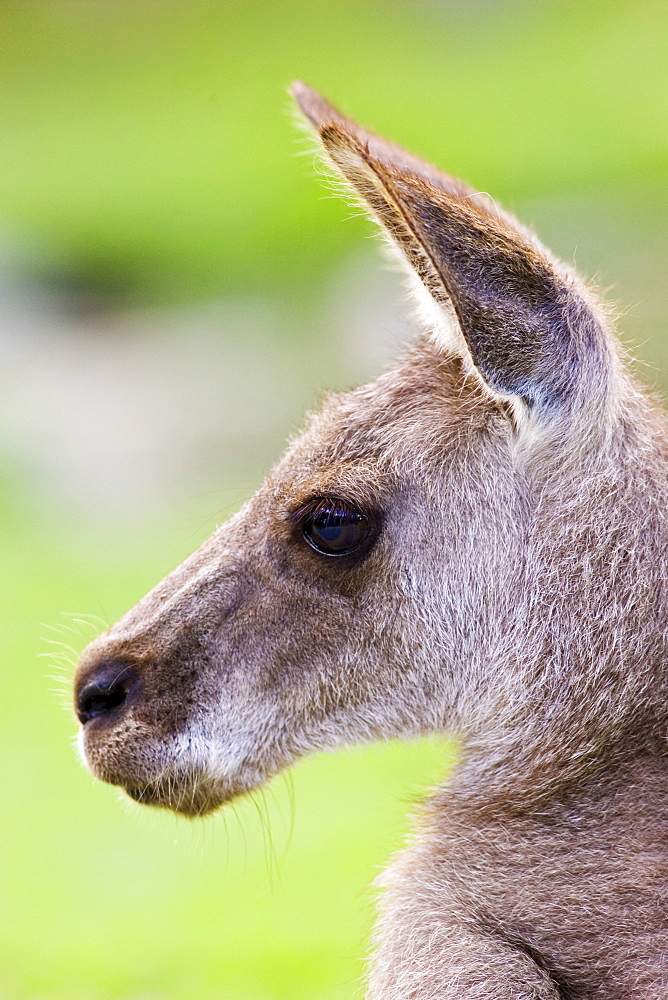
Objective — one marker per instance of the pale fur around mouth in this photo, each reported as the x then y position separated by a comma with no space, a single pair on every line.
185,774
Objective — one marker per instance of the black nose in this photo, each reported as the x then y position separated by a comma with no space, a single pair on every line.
106,690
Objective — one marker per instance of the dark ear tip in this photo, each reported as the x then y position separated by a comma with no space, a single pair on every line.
299,89
313,105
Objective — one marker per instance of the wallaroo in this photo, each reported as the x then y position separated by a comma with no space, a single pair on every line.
474,543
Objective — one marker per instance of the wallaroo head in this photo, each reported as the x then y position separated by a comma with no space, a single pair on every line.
461,545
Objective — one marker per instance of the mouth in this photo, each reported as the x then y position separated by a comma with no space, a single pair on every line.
153,772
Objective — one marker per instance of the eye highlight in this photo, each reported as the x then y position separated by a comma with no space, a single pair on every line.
336,527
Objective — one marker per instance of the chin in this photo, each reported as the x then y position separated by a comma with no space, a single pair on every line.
193,797
158,773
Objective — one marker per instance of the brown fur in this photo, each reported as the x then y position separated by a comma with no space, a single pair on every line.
515,593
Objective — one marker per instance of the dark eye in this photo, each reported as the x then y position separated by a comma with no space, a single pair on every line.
337,528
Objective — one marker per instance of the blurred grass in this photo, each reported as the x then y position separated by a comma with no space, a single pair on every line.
146,157
145,150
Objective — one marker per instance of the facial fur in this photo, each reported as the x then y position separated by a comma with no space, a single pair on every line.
474,542
496,464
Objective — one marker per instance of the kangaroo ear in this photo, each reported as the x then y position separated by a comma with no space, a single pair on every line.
526,325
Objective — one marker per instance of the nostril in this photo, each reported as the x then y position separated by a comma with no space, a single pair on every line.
97,701
105,692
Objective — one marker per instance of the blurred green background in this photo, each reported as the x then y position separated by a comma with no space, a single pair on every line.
176,286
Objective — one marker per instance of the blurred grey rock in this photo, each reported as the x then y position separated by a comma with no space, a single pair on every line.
136,412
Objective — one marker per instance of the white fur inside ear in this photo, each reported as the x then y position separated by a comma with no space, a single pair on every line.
440,317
